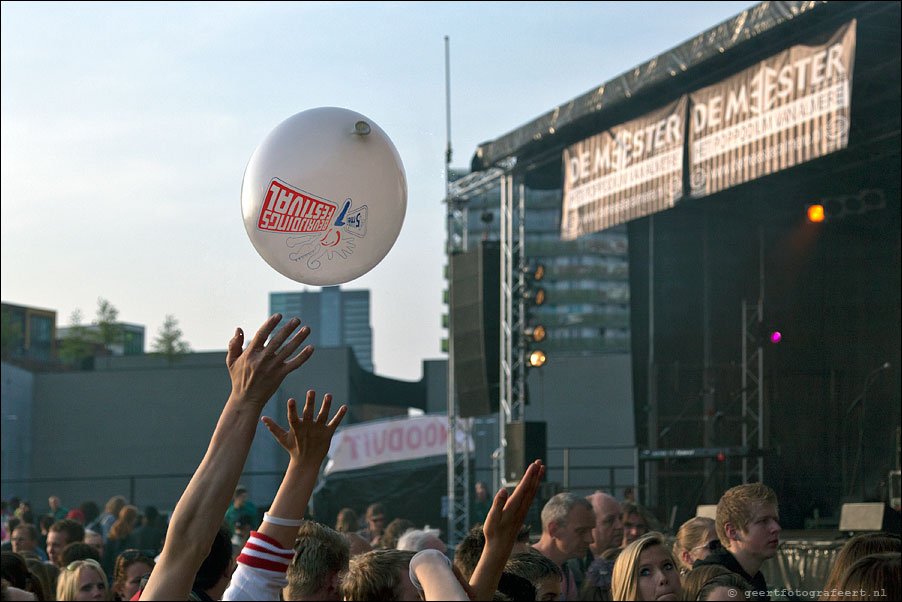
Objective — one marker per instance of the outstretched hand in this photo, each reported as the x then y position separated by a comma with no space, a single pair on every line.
258,370
508,512
308,440
501,526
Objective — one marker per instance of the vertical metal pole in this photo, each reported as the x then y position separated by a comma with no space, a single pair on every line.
458,492
651,470
760,459
518,411
505,387
707,377
566,469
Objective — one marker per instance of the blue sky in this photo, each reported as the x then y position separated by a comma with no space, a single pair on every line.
126,129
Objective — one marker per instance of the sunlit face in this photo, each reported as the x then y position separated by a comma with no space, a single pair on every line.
132,583
634,527
56,541
608,531
658,578
762,536
549,589
90,585
574,537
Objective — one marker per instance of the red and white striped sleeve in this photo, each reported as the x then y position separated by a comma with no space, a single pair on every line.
261,570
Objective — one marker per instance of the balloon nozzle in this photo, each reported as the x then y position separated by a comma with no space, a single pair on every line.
361,128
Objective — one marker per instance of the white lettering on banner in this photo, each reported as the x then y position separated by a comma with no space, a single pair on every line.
768,86
655,167
782,118
385,441
625,148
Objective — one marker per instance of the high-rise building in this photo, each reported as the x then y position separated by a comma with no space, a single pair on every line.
336,318
587,307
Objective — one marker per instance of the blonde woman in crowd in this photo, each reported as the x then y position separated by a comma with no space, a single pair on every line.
82,580
646,570
696,538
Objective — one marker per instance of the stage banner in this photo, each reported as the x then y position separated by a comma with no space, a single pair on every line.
394,440
788,109
624,173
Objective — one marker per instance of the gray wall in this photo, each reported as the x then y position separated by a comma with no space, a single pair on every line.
138,416
16,394
92,435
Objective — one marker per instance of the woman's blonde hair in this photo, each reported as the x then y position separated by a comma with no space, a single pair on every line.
70,577
625,577
692,534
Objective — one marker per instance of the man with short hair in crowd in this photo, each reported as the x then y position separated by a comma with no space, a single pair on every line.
607,534
375,524
240,506
62,533
544,574
635,522
321,556
567,524
56,507
379,575
746,523
25,539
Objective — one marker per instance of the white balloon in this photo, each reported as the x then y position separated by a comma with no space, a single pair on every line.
324,196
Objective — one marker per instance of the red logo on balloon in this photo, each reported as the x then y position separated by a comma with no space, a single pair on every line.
293,211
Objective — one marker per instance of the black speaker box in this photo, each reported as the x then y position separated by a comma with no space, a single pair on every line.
526,442
475,313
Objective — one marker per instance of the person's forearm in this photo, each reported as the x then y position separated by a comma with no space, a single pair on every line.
487,574
200,511
291,502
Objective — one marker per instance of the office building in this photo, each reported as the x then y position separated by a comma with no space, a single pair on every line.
336,318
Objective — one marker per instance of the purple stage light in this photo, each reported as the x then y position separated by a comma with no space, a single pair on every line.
775,336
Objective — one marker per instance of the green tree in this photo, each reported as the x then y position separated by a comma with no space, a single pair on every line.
169,343
79,343
110,331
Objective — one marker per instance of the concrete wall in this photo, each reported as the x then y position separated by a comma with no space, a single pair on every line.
139,426
16,443
96,433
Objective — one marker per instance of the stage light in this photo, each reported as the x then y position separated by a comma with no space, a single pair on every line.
536,358
816,214
536,334
776,336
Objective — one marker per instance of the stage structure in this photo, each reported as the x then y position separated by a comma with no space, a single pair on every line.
713,154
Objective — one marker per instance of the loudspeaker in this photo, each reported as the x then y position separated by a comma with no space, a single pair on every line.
526,442
868,517
476,316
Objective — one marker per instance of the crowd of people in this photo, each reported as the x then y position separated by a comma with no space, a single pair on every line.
218,546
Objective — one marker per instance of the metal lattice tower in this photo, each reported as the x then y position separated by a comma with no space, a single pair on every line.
752,391
512,367
458,459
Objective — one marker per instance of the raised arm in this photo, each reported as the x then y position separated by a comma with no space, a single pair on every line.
268,552
256,373
501,527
